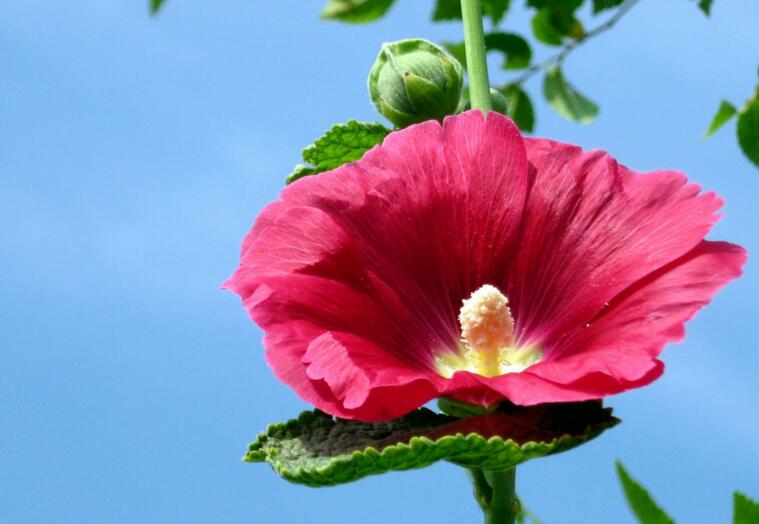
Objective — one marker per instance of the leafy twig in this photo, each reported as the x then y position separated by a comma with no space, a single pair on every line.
559,57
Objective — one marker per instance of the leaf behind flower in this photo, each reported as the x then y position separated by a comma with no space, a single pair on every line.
318,450
343,143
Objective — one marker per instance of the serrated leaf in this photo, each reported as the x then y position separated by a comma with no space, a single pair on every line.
706,6
725,112
356,11
343,143
602,5
748,131
515,48
641,503
446,10
519,107
155,6
566,100
300,171
745,510
317,450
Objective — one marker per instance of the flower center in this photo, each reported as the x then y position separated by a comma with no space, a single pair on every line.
487,335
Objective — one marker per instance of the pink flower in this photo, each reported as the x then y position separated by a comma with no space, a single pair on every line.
464,260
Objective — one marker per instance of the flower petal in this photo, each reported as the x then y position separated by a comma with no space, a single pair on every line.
434,213
528,389
639,322
591,229
367,381
357,275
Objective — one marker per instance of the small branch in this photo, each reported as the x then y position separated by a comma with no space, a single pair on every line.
559,57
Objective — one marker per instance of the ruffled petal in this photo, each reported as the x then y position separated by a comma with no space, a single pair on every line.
357,275
377,255
623,341
528,389
591,229
366,380
434,213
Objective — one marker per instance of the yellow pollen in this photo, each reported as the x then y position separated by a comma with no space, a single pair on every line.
486,320
487,335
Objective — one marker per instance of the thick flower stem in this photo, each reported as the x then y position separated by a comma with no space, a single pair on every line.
495,492
476,55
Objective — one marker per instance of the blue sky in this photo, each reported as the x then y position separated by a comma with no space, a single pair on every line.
134,155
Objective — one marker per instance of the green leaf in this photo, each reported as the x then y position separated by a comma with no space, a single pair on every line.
156,5
745,510
519,107
446,10
495,9
706,6
544,30
515,48
343,143
640,501
356,11
570,5
457,50
748,130
556,19
566,100
603,5
725,112
300,171
566,24
318,450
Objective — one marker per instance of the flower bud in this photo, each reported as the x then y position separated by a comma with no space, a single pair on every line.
414,80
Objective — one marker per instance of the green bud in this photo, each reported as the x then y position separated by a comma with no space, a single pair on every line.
414,80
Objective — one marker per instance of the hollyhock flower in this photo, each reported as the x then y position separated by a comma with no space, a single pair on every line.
466,261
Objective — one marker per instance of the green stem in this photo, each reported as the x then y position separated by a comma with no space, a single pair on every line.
476,55
496,494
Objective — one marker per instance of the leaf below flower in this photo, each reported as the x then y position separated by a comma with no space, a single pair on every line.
318,450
